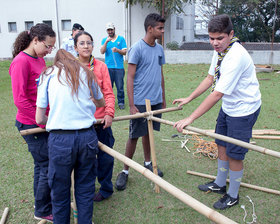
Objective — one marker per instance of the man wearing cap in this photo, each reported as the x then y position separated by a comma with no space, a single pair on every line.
68,42
114,47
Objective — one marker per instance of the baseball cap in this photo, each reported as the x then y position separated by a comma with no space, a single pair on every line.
110,26
77,26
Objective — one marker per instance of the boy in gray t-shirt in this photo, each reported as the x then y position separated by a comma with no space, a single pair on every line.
144,81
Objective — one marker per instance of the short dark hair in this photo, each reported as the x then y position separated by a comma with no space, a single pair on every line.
220,24
152,19
77,26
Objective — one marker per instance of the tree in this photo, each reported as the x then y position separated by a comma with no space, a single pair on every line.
253,20
207,9
164,7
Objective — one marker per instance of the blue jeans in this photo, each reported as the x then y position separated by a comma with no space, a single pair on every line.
70,150
38,147
105,161
117,76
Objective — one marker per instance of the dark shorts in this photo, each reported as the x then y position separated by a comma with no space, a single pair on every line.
139,127
235,127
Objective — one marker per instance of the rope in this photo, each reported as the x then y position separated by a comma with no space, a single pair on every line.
205,148
253,215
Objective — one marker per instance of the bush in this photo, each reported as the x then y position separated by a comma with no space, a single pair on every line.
172,45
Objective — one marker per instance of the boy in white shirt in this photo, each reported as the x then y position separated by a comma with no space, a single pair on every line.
233,79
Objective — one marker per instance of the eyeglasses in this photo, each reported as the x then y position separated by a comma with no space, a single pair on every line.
49,47
83,43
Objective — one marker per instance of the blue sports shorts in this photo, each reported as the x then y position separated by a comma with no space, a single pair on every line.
235,127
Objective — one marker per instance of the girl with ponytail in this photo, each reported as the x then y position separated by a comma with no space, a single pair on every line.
28,51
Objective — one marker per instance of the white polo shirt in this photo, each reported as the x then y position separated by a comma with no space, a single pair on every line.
67,112
238,82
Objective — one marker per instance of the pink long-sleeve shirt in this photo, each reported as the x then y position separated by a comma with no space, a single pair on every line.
24,71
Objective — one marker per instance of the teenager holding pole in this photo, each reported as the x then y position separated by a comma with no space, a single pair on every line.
144,81
233,79
72,92
29,49
83,43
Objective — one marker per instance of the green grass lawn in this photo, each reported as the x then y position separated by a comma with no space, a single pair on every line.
139,203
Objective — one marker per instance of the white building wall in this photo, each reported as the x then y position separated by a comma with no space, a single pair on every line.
187,33
91,14
19,12
205,56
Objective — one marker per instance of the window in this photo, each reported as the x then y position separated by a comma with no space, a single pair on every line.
48,22
28,25
179,23
12,26
66,24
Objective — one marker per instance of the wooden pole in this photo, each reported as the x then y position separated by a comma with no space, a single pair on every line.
145,114
182,196
241,184
152,143
120,118
4,216
32,131
257,132
266,137
224,138
73,204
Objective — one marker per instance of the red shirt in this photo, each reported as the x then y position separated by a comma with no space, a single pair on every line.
24,71
104,82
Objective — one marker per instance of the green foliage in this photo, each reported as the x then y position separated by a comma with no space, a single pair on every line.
170,6
172,45
253,20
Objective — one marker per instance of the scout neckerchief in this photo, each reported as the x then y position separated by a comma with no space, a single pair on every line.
91,63
221,56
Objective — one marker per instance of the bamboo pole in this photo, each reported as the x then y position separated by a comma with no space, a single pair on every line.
144,114
73,204
266,137
257,132
152,143
4,216
182,196
241,184
224,138
119,118
32,131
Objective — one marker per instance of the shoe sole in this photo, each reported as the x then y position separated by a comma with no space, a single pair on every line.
209,190
226,207
120,188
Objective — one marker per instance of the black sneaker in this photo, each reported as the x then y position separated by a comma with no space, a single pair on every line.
226,202
150,167
212,187
121,181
